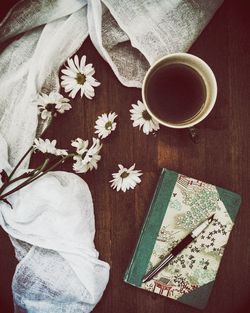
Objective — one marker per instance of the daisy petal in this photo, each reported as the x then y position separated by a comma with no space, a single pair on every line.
82,63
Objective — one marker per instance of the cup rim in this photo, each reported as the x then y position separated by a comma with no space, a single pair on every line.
213,94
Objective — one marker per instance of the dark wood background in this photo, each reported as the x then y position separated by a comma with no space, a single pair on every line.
221,158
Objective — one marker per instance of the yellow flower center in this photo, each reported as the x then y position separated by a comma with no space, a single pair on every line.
124,174
146,115
80,78
108,125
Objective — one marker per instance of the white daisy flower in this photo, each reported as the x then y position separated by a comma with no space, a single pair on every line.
80,145
141,118
79,76
86,159
47,146
125,178
50,105
105,124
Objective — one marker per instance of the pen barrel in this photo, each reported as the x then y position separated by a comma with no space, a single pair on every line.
176,250
182,244
158,268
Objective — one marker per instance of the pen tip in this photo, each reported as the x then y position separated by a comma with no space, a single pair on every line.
211,217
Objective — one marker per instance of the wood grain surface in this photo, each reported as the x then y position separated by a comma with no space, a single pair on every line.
221,157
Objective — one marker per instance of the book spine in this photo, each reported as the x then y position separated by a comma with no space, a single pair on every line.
129,270
151,227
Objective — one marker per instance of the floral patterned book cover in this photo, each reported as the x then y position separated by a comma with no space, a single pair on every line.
179,205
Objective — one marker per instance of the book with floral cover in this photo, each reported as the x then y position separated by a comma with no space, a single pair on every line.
179,204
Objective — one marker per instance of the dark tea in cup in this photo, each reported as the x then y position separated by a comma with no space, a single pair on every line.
179,90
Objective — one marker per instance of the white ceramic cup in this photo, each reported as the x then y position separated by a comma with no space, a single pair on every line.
205,73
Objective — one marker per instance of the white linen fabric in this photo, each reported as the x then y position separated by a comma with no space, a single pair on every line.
52,228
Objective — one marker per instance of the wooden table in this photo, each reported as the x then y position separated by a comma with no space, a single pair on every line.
221,158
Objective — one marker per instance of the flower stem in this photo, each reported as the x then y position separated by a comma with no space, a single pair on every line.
6,184
26,154
53,166
27,181
24,175
19,163
37,175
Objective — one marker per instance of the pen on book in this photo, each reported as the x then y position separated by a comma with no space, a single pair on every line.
177,249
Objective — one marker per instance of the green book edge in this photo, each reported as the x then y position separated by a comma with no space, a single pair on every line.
138,265
231,201
199,297
151,227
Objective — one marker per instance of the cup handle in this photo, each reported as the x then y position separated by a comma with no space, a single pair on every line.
194,134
